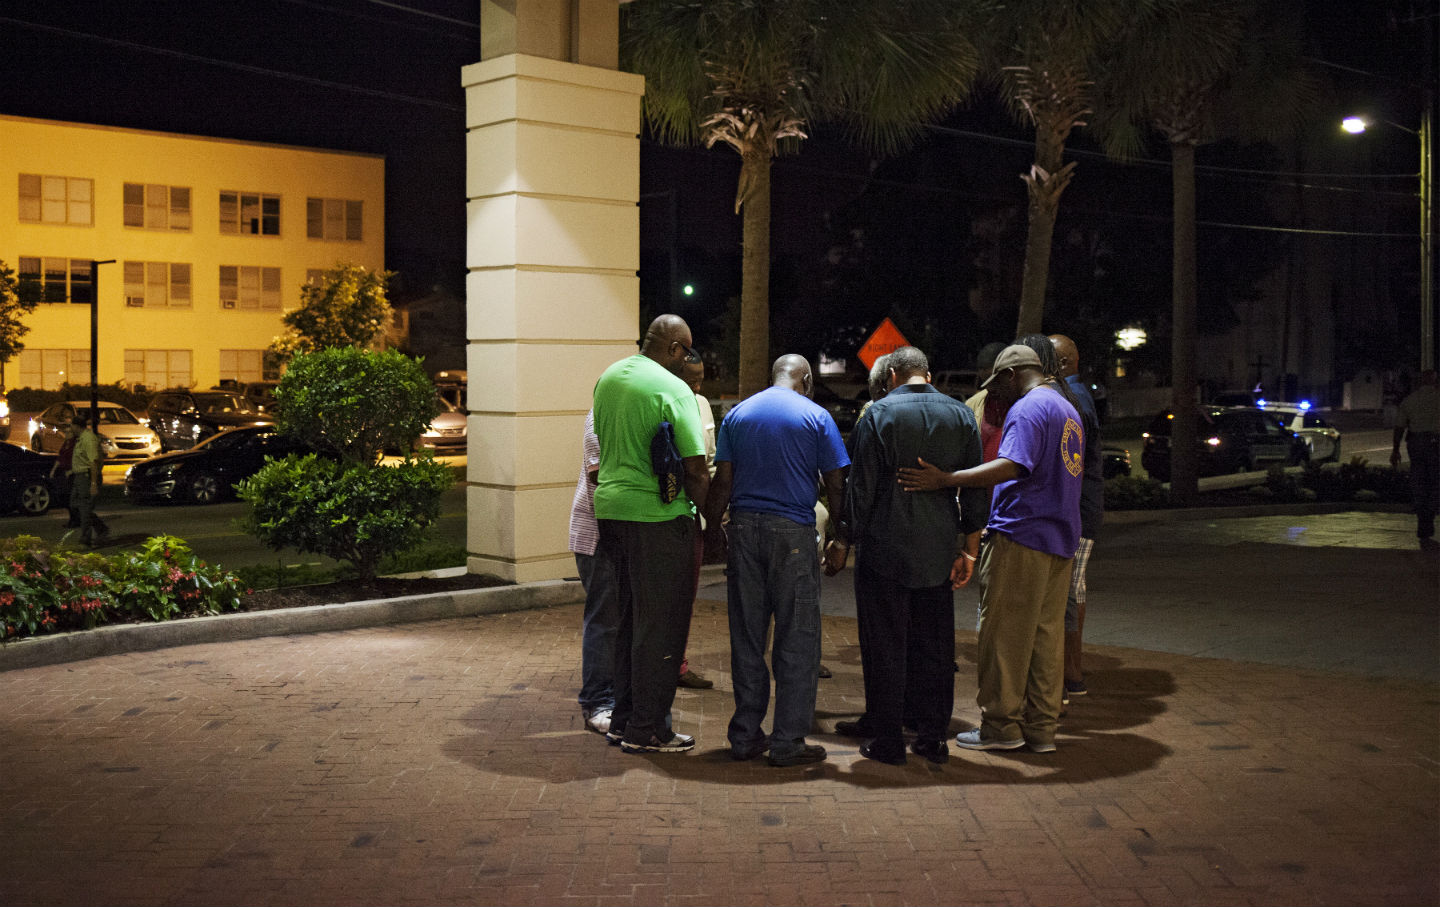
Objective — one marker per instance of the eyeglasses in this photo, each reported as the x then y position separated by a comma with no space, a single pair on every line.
690,354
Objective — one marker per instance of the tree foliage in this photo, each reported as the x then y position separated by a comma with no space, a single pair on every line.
14,306
757,75
355,404
348,306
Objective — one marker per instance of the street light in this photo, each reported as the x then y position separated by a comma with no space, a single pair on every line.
1356,125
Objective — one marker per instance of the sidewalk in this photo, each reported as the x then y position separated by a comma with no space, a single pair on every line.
445,762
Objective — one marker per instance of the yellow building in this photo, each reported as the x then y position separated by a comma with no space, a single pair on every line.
211,239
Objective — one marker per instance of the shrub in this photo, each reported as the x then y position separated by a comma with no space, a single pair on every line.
33,400
165,579
48,591
357,512
355,403
1135,493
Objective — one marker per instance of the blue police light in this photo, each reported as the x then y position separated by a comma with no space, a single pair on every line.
1260,403
1304,404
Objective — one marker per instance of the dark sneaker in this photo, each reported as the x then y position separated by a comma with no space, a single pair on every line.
890,752
824,673
613,737
934,750
1075,688
751,751
677,743
971,740
692,681
805,755
856,728
1041,746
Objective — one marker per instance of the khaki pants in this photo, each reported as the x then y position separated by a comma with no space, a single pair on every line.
1022,640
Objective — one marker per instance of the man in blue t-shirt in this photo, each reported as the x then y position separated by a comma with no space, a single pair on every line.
1026,557
769,453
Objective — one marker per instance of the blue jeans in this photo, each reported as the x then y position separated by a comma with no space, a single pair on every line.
774,573
597,646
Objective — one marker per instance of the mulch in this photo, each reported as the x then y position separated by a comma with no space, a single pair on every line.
355,590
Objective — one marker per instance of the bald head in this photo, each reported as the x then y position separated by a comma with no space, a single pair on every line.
668,342
792,371
1069,355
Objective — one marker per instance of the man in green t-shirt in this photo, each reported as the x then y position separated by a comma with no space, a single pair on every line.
649,543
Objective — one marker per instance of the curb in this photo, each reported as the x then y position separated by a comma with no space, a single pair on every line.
39,651
1184,514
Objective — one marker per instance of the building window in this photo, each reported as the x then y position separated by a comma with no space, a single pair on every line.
155,207
333,218
56,200
158,369
242,365
157,284
314,277
249,214
48,369
255,289
58,279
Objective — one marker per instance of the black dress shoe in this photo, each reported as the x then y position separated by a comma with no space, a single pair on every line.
934,750
806,755
856,728
890,752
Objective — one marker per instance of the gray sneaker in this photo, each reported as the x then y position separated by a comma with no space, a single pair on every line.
1041,746
971,740
597,720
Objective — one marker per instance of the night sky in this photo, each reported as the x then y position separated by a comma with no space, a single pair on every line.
383,77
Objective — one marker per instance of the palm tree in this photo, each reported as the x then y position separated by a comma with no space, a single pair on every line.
1045,55
756,75
1207,68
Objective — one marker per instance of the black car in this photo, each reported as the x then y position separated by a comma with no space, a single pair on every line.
208,472
1229,439
25,483
842,410
1115,460
183,419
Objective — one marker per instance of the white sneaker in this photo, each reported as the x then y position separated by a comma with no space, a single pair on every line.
598,721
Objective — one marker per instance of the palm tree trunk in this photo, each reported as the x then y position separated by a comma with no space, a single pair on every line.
1046,180
755,274
1184,487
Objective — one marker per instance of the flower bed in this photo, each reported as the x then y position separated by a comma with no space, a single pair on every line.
43,590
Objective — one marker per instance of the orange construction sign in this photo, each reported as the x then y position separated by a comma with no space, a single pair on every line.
886,339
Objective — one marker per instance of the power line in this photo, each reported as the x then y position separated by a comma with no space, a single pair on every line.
1156,163
420,12
390,22
240,67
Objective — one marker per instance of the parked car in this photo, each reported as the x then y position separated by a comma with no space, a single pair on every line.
843,410
261,395
958,383
183,419
447,431
1115,460
1320,436
123,435
452,384
25,483
207,472
1229,439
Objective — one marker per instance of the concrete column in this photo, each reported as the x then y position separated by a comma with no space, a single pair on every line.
553,181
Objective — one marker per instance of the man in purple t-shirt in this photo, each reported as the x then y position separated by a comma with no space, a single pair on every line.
771,450
1026,557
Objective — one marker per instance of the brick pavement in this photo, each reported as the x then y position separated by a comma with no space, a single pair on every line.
445,762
